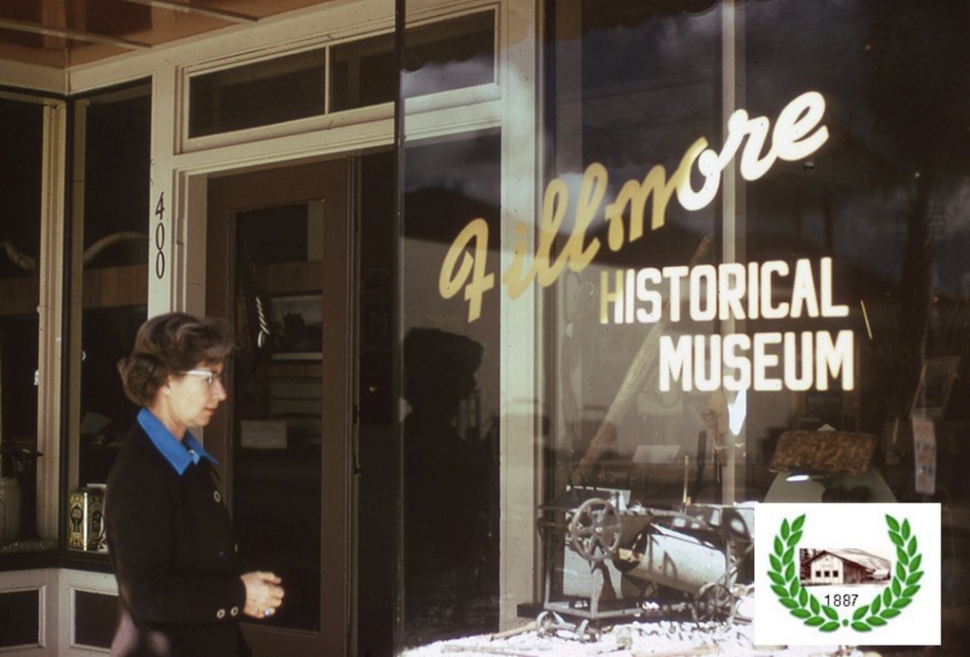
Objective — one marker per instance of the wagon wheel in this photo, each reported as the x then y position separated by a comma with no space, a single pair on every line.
547,623
594,531
714,602
587,632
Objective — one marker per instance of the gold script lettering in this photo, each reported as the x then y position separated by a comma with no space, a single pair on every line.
576,253
798,132
472,266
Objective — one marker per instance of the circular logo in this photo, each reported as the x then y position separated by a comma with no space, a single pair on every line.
885,606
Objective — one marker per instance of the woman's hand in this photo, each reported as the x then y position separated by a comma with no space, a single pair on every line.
263,594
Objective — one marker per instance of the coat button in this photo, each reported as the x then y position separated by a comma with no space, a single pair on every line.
234,612
216,496
221,614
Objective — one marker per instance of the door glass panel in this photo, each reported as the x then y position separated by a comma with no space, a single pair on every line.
277,388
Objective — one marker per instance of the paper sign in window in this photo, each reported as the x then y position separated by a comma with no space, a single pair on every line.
263,434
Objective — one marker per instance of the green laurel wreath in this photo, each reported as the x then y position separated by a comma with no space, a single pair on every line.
805,606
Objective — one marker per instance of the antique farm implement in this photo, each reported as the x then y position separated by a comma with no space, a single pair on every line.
610,559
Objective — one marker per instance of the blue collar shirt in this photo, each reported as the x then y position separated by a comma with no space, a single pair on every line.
178,453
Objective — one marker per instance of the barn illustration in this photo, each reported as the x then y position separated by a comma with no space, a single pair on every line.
843,566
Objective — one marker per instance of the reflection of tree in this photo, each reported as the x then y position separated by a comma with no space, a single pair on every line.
918,90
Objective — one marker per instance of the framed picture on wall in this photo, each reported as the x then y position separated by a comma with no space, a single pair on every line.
935,383
297,325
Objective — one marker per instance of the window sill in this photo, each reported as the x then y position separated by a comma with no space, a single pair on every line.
29,555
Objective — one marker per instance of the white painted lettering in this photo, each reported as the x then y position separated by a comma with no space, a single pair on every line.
803,290
651,297
703,293
768,311
675,362
764,361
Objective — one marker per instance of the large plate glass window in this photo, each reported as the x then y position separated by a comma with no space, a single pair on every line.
457,461
450,388
633,87
109,270
804,280
20,263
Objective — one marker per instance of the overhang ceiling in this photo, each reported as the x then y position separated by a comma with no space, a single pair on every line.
66,33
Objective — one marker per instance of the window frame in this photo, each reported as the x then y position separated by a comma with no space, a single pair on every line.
457,99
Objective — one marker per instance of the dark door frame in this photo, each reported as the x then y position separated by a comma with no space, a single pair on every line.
332,181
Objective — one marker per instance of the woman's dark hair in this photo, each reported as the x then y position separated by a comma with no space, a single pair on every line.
169,344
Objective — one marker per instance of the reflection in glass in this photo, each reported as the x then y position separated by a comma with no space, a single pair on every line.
272,91
451,54
113,131
882,204
883,198
456,53
643,90
277,401
20,260
450,384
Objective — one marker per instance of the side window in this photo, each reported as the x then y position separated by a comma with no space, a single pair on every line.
20,263
108,271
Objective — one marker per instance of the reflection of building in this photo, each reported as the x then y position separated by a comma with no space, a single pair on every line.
846,567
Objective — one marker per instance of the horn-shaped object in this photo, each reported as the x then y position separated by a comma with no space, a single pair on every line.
19,258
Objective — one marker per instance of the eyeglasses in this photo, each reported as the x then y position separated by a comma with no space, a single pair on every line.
210,376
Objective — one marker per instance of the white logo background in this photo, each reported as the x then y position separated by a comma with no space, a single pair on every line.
840,526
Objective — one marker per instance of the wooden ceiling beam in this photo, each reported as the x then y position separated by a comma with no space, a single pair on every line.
173,5
74,35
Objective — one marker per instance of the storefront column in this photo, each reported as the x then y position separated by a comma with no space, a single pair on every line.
166,243
520,326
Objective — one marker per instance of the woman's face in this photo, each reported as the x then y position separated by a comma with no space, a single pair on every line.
188,400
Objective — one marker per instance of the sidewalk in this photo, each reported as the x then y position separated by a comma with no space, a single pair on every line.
635,639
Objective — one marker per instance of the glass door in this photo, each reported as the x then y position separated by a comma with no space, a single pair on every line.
278,268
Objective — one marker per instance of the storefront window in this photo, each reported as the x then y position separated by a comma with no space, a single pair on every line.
20,262
450,388
883,198
805,274
749,253
647,83
750,285
109,269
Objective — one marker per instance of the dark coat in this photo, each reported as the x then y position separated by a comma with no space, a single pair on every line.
171,548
